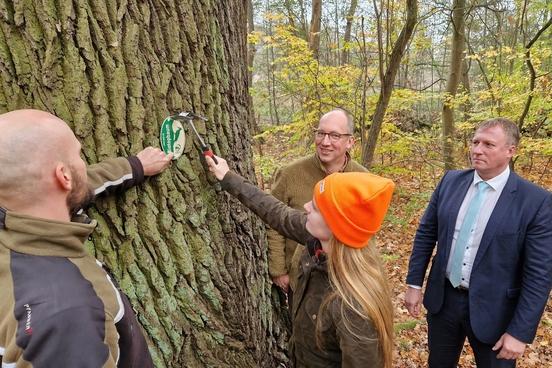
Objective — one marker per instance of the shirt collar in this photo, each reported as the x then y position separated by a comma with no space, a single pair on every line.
497,183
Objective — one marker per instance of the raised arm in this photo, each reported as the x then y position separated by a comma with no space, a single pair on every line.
287,221
119,174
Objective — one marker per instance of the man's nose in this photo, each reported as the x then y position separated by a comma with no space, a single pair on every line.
326,139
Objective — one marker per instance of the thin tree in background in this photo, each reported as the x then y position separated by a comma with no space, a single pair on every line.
455,73
251,49
532,72
370,138
270,73
345,53
314,31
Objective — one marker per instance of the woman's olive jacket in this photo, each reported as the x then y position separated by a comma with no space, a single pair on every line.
338,347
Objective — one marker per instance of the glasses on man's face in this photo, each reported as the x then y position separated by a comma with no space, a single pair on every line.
319,135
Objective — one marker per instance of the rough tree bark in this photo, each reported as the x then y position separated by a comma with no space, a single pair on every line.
191,260
455,71
370,137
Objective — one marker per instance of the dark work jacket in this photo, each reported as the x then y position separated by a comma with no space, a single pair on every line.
58,305
340,348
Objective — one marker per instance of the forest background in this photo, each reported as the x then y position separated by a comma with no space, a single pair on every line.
464,62
417,75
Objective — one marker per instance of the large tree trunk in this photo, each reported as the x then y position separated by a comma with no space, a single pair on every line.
455,71
371,138
192,261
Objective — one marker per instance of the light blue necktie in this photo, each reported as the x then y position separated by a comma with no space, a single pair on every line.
465,230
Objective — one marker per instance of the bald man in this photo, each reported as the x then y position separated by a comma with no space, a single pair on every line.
293,183
58,306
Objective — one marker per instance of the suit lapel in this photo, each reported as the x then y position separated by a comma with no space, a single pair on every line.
501,209
458,193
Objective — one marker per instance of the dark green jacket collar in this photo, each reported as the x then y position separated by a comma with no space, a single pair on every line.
42,237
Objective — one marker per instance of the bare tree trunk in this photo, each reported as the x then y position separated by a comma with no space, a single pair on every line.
345,54
304,25
251,49
466,66
271,78
532,73
363,125
272,88
335,52
455,71
290,16
382,56
516,31
388,19
466,106
191,260
370,142
314,32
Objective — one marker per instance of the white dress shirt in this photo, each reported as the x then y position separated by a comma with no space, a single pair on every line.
497,184
476,233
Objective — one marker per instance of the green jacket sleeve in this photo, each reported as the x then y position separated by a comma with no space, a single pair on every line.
116,174
287,221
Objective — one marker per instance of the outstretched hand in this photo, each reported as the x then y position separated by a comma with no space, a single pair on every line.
154,160
220,169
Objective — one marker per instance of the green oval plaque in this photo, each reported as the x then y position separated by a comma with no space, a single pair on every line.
172,137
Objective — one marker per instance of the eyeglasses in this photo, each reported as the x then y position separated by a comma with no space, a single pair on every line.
334,136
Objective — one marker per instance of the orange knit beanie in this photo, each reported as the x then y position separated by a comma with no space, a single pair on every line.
353,205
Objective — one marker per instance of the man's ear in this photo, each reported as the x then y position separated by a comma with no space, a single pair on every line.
63,176
351,142
512,151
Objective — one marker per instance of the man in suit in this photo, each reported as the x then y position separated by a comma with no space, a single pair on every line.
492,272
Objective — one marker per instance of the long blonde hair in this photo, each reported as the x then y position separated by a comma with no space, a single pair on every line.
358,280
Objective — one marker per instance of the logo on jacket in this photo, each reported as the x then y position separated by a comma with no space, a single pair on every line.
28,328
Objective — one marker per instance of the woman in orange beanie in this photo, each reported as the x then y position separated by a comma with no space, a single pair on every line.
342,312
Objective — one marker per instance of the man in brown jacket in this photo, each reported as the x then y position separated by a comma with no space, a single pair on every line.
293,185
58,306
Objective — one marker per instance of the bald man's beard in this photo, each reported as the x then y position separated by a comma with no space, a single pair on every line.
80,195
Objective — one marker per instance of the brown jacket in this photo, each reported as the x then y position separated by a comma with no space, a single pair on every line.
340,348
293,185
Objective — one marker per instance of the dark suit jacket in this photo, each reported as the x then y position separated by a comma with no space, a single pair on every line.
512,272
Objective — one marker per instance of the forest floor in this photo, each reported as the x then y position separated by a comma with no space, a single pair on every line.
395,241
